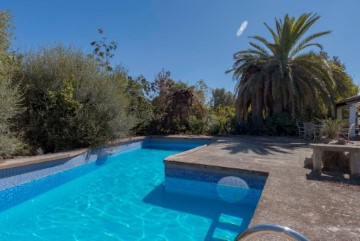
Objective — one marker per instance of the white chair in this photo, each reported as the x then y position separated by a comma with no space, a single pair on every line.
352,127
346,132
309,130
301,129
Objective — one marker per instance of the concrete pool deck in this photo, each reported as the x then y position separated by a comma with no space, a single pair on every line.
325,207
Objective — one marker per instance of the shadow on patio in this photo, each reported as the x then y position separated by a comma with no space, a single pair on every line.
261,145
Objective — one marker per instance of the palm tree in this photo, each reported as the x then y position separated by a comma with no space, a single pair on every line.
280,76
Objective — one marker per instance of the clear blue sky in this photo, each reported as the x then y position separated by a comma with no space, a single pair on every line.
194,39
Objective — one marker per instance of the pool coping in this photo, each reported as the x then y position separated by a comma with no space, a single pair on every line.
21,161
176,160
29,160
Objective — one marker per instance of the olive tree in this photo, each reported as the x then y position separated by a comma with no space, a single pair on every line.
9,93
71,101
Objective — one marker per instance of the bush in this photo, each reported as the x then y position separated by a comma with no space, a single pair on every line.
9,108
219,121
10,96
197,126
222,120
9,93
71,102
280,124
173,109
140,106
332,128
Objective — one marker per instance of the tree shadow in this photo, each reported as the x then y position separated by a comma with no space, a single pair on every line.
262,145
215,210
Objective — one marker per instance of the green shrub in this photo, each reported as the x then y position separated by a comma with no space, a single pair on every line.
71,102
332,128
9,107
139,106
10,97
10,142
279,124
222,120
219,121
197,126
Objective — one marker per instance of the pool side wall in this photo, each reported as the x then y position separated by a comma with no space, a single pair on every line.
14,172
193,180
14,176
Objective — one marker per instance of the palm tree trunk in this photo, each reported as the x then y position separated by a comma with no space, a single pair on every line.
278,105
256,108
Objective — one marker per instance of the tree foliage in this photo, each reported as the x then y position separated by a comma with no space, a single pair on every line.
6,30
71,100
349,89
104,50
279,76
9,108
140,105
60,98
180,105
222,120
9,93
174,103
221,97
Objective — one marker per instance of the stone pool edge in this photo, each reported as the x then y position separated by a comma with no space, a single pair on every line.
29,160
18,171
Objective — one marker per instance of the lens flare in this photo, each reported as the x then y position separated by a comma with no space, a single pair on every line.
232,189
242,28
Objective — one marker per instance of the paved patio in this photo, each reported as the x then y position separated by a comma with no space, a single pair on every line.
325,207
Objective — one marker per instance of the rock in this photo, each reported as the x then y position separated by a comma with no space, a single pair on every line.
339,141
326,140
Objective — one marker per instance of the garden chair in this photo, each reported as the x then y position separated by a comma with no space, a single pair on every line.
309,130
346,132
301,129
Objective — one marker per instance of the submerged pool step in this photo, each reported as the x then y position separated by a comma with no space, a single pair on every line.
231,187
239,193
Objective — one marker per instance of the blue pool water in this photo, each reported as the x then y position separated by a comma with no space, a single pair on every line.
124,198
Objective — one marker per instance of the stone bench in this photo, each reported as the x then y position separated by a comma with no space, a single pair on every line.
354,151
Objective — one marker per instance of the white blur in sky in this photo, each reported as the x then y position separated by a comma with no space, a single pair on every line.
242,28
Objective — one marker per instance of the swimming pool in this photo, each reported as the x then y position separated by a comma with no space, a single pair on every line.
125,196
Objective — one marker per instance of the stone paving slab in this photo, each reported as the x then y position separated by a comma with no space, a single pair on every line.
325,207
